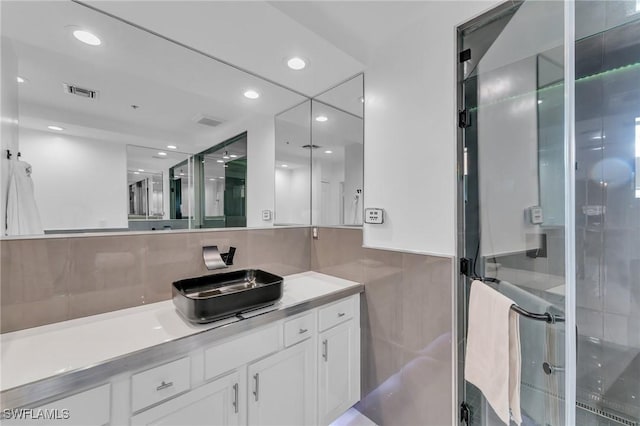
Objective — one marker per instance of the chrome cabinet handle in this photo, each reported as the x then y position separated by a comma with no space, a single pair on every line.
164,385
303,330
341,314
235,398
325,349
256,382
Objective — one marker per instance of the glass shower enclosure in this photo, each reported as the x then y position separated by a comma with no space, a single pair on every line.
549,201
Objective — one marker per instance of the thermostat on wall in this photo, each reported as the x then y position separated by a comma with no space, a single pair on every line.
372,215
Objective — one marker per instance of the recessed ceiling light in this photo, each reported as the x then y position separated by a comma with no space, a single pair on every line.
87,37
539,101
212,178
162,154
221,177
321,118
20,79
57,128
328,152
285,165
251,94
141,170
296,63
219,161
233,156
172,147
181,174
225,157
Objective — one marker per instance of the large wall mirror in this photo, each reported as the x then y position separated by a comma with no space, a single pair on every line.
338,154
130,131
320,157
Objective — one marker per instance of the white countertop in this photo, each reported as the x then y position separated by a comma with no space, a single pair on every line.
43,352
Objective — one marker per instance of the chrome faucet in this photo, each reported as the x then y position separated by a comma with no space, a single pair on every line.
213,259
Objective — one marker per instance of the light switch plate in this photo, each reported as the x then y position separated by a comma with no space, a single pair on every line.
266,214
374,215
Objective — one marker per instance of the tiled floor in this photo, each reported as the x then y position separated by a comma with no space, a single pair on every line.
353,417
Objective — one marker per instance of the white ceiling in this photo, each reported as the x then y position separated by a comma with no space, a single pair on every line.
356,27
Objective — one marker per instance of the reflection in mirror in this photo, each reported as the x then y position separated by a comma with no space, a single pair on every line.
223,177
76,107
159,188
293,166
338,154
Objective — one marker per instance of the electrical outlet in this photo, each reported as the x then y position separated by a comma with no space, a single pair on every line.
266,214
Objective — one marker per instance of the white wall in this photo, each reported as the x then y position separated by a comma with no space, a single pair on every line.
410,132
9,125
293,194
79,183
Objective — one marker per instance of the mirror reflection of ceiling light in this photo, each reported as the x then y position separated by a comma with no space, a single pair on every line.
212,178
136,173
19,79
221,177
233,156
296,63
539,101
328,152
251,94
56,128
181,174
285,165
162,154
172,147
219,161
87,37
141,170
321,118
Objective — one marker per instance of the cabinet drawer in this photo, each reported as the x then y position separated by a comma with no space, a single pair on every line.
88,408
299,329
336,313
159,383
232,354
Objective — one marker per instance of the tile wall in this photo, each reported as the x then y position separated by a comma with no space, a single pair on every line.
406,327
56,279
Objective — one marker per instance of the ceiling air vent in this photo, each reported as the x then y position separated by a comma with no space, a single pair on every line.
80,91
207,121
313,146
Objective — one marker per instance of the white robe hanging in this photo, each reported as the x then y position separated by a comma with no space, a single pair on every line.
22,212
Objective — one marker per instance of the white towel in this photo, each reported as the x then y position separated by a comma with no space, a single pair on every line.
22,213
539,342
492,361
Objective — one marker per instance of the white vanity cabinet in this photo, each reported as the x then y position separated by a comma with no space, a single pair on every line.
298,370
282,388
216,403
339,361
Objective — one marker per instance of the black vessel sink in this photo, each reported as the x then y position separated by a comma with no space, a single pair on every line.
212,297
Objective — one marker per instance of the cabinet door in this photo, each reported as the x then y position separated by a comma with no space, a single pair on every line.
338,371
216,403
282,388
